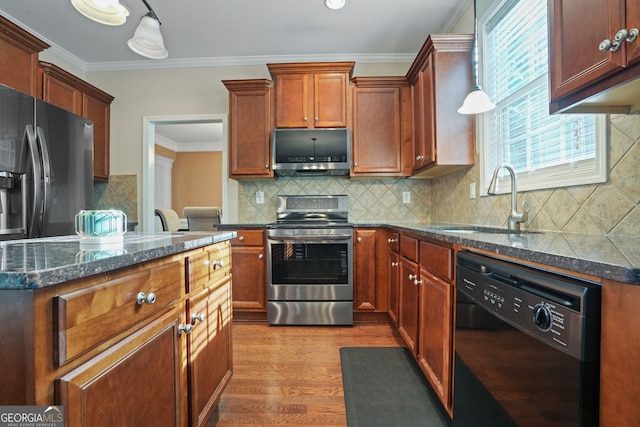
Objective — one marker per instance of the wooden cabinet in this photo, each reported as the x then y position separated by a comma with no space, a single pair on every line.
67,91
382,127
19,58
134,383
584,78
393,275
440,78
619,355
250,124
209,349
409,292
364,271
311,95
249,271
436,322
148,344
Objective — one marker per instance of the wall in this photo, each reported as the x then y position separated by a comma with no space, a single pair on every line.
196,180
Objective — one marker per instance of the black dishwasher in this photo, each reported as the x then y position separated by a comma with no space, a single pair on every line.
526,346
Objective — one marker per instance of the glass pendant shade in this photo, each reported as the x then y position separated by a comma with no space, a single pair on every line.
335,4
476,102
147,39
109,12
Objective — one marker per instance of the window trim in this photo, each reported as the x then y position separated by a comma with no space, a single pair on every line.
586,172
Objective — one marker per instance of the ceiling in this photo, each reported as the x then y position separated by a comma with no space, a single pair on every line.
240,32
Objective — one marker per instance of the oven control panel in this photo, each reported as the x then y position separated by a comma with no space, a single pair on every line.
549,307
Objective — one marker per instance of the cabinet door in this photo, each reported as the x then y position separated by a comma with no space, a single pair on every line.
209,349
436,338
377,143
61,94
250,132
424,117
394,291
575,60
249,278
633,21
364,272
134,383
99,112
330,100
409,303
292,101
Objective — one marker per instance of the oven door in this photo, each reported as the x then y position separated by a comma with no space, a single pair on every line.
310,264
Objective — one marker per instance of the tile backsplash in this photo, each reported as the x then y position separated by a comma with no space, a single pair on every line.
120,192
609,208
370,200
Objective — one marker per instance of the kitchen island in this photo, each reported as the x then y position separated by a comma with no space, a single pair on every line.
133,335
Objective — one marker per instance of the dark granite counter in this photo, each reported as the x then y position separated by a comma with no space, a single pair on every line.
609,257
35,263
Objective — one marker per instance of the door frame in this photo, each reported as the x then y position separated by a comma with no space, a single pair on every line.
229,187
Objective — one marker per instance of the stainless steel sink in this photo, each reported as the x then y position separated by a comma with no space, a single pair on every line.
472,229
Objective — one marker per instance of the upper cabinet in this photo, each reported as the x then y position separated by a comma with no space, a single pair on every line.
250,123
67,91
19,58
311,95
594,71
382,127
440,78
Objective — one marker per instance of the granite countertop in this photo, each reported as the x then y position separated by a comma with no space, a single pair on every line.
610,257
35,263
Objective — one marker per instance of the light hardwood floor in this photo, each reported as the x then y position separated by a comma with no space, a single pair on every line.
290,375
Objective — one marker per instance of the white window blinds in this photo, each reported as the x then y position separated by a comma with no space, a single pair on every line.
545,150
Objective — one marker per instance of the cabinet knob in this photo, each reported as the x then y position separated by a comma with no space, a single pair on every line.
305,119
355,164
417,282
218,263
143,298
241,238
197,317
621,36
394,264
392,240
266,166
260,256
413,276
419,158
317,119
184,329
359,239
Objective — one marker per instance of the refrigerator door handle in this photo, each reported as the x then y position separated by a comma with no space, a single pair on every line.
46,175
33,223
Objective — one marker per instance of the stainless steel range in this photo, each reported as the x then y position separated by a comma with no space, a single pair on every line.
310,262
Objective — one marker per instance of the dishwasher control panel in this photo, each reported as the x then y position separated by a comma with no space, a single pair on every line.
548,306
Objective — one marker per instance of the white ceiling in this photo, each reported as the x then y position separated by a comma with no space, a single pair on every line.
240,32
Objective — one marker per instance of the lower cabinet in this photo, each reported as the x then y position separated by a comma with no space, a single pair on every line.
146,345
135,383
409,292
249,272
209,349
364,272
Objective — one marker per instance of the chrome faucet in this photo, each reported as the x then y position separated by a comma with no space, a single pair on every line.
515,217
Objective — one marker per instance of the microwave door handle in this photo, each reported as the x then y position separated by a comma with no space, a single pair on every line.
46,175
36,190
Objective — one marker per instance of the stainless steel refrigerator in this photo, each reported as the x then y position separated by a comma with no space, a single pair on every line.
46,167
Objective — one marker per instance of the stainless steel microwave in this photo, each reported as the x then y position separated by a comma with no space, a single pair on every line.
314,152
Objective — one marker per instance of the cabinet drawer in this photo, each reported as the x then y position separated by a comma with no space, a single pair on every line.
249,238
393,241
437,259
409,248
85,318
208,266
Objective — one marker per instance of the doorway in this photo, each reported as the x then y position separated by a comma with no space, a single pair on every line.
229,187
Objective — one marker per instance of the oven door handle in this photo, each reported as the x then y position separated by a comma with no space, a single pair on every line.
311,238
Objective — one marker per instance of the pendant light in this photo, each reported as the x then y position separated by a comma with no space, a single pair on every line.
108,12
335,4
147,39
477,101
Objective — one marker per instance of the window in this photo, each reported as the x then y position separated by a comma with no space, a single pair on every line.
545,150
